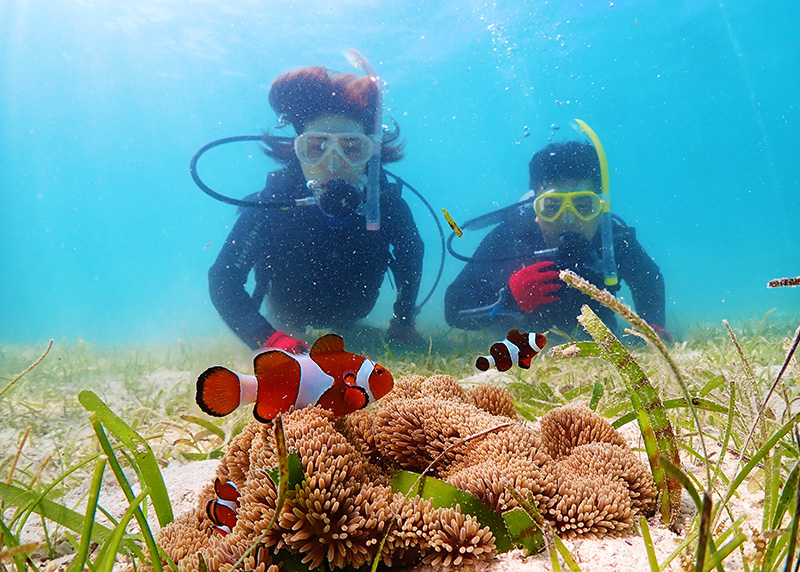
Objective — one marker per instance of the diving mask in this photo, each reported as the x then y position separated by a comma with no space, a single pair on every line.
585,205
313,148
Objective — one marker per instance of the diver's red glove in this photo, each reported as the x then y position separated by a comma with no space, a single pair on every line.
662,332
532,285
280,341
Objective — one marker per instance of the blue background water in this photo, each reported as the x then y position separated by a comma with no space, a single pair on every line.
102,104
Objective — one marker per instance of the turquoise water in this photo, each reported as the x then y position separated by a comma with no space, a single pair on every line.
102,104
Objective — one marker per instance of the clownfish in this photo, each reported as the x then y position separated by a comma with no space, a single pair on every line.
517,347
222,510
327,376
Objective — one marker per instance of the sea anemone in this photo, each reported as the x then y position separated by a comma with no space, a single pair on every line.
493,399
576,469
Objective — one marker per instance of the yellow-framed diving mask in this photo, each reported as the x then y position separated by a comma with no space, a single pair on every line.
585,205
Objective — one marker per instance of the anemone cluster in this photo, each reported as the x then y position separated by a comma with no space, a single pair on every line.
579,472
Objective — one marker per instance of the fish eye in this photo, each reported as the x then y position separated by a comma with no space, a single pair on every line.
379,370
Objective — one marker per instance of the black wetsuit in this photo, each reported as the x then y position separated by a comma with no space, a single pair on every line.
314,270
510,247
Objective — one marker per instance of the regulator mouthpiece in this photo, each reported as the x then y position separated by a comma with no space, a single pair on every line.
339,199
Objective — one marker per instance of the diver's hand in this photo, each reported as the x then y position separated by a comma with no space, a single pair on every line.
401,336
662,332
532,286
280,341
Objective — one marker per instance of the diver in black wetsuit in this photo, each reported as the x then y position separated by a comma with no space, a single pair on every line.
512,278
318,265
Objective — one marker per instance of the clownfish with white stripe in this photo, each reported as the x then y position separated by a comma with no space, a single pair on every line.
222,510
517,347
328,376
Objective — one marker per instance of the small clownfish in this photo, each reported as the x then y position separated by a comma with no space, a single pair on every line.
517,347
222,510
328,376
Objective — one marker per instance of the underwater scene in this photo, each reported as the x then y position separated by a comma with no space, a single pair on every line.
383,285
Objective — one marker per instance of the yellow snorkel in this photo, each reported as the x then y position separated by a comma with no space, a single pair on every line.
608,261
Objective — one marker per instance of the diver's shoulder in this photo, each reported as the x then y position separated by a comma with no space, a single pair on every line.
511,234
280,185
624,236
622,230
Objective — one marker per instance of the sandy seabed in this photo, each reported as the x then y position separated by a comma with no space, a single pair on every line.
185,481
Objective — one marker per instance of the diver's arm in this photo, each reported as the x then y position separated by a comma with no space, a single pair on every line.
408,251
643,277
228,276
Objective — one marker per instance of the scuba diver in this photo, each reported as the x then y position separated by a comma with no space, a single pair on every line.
333,223
564,222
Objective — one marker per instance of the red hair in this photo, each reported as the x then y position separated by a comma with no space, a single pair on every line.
301,96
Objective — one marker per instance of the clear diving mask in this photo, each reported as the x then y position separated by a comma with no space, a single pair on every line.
354,149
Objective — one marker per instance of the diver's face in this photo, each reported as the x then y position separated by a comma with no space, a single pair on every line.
567,222
334,165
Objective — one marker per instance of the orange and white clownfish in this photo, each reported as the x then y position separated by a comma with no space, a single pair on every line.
328,376
222,510
517,347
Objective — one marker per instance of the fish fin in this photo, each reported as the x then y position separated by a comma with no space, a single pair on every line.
218,391
343,399
356,398
328,344
350,378
278,376
525,361
513,333
519,339
483,363
221,514
226,490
